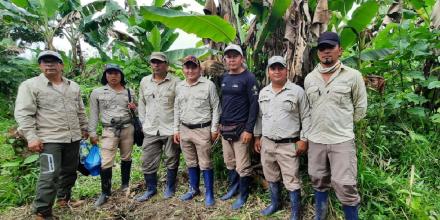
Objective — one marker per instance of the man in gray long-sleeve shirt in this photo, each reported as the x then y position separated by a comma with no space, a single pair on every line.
50,114
283,123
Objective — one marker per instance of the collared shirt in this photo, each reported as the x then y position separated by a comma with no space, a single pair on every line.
196,104
156,104
283,114
109,104
46,114
335,105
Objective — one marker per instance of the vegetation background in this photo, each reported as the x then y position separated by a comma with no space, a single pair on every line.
395,44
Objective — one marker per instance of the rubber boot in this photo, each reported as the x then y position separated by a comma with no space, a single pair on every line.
171,183
351,212
106,186
244,192
194,182
275,193
151,185
208,178
295,204
321,204
125,174
233,178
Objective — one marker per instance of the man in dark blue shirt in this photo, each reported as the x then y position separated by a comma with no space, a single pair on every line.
239,112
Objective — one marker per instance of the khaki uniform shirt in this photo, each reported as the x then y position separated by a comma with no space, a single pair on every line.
156,104
284,114
335,105
46,114
196,104
109,104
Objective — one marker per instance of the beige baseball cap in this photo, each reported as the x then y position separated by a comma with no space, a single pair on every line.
159,56
234,47
276,59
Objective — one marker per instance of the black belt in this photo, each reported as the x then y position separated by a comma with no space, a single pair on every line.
285,140
194,126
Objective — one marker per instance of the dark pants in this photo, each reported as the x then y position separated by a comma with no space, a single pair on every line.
58,164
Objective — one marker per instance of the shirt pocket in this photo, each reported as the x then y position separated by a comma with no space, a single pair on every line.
148,96
201,99
264,103
105,101
72,102
341,95
288,104
48,100
313,95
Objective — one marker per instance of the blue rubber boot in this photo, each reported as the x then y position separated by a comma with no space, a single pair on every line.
351,212
208,178
194,182
151,184
233,178
321,204
295,204
244,192
275,193
171,183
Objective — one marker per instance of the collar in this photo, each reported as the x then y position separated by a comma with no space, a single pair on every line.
47,82
201,79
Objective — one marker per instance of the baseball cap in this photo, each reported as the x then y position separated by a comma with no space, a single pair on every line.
276,59
192,59
158,56
233,47
49,53
111,66
328,37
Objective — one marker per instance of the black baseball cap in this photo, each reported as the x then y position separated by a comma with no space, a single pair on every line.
328,37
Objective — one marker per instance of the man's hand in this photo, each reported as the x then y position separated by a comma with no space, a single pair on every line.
176,138
85,134
35,146
301,147
257,144
132,106
214,136
94,140
246,137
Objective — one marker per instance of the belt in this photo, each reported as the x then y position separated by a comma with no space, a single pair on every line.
285,140
194,126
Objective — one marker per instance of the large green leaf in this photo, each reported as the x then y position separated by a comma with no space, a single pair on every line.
174,56
21,3
342,6
49,8
158,3
361,18
368,55
155,39
204,26
14,9
93,7
385,36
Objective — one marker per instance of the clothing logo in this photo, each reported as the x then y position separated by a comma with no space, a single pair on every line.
235,86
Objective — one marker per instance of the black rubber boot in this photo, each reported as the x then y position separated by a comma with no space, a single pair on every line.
106,186
125,174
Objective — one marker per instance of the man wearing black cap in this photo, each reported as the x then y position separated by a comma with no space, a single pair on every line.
338,98
50,114
110,103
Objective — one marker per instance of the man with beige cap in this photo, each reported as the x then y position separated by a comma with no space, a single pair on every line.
281,135
50,113
156,112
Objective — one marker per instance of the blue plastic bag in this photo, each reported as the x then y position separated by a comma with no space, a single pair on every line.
93,161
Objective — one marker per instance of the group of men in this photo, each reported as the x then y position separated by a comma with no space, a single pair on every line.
283,121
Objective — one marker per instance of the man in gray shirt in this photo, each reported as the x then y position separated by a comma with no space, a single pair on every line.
50,114
156,112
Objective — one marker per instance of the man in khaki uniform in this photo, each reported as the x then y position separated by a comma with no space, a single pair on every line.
110,103
283,121
338,98
196,117
50,114
156,112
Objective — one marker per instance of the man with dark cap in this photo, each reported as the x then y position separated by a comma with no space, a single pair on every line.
239,113
50,113
196,117
281,135
110,103
338,98
156,112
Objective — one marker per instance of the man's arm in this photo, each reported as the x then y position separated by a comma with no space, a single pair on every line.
359,93
141,107
82,116
252,92
214,101
94,114
25,111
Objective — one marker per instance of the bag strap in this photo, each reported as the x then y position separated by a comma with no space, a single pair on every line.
132,114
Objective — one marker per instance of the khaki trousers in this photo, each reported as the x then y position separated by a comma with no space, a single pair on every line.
280,160
236,156
335,165
152,151
196,147
113,139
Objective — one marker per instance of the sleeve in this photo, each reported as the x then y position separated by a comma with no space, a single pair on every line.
252,92
258,124
304,114
141,106
176,112
94,114
359,94
82,116
214,101
134,100
25,112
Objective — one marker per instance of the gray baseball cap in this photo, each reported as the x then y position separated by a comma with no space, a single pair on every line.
233,47
159,56
112,66
276,59
49,53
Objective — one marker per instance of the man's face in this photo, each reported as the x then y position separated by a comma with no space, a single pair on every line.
191,71
113,77
277,73
234,60
158,66
51,66
329,54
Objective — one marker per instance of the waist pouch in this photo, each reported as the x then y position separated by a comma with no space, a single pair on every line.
232,132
